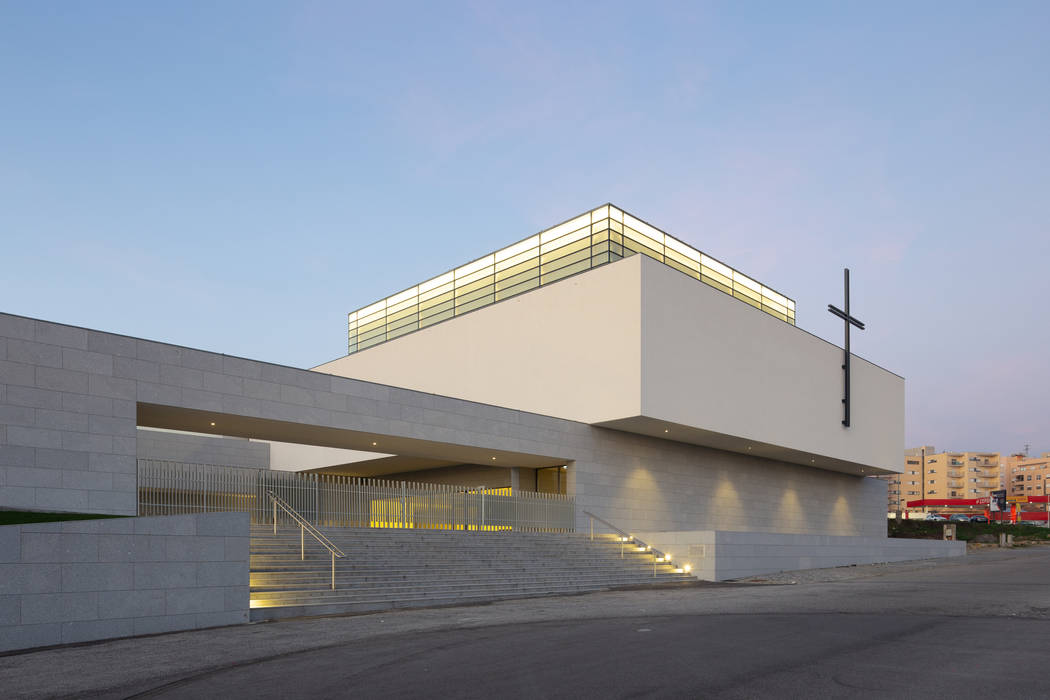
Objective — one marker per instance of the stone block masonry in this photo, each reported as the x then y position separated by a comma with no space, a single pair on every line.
83,580
70,400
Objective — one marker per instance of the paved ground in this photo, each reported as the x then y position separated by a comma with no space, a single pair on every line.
968,627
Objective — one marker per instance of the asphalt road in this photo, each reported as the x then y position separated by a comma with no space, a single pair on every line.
972,627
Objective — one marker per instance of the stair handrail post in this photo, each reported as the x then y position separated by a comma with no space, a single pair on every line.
404,506
481,525
275,517
592,527
305,525
624,536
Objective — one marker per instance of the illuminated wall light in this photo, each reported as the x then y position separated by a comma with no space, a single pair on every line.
213,424
687,568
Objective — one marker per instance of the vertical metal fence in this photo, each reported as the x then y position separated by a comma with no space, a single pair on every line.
170,488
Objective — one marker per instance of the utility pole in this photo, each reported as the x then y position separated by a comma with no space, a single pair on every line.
922,475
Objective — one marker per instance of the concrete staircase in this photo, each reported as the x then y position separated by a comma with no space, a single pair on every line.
386,569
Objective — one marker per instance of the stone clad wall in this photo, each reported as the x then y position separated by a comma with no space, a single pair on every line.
201,449
68,439
82,580
723,555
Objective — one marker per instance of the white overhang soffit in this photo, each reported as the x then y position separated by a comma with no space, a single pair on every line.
653,427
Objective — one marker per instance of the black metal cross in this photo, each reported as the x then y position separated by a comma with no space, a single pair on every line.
847,322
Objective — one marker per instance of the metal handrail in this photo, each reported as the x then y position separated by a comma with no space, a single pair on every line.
304,527
627,537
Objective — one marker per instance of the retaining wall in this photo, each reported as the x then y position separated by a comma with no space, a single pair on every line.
722,555
83,580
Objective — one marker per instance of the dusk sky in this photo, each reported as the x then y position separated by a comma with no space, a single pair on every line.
238,176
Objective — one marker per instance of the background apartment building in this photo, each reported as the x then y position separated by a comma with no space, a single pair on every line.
1026,476
929,474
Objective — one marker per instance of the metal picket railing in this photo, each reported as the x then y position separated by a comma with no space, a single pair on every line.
170,488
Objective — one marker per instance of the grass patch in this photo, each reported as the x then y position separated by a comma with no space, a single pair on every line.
925,530
21,517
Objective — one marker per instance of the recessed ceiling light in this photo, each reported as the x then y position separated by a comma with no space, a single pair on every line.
667,430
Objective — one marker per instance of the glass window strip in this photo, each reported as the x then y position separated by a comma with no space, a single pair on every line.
478,293
518,288
589,240
513,280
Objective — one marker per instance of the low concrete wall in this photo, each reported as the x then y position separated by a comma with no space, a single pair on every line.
721,555
83,580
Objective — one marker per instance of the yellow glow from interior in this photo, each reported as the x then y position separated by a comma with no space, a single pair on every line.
600,236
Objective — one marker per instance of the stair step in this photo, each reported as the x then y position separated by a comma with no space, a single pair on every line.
410,568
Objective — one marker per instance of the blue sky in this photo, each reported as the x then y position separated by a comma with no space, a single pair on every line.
238,176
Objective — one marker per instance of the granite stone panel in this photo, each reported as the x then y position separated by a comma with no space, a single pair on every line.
10,610
59,607
58,334
17,373
24,577
32,476
221,619
137,603
221,573
31,396
180,601
61,420
17,456
88,630
97,576
87,361
34,437
70,500
110,344
62,380
34,353
81,580
124,503
159,352
11,545
111,387
83,403
133,548
19,497
134,368
28,636
165,623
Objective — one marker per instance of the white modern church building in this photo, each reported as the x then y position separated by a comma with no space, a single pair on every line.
657,387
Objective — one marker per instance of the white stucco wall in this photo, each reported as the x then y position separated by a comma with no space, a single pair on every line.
637,338
710,361
570,349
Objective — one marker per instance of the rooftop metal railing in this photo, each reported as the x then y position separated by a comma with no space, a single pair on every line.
304,527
